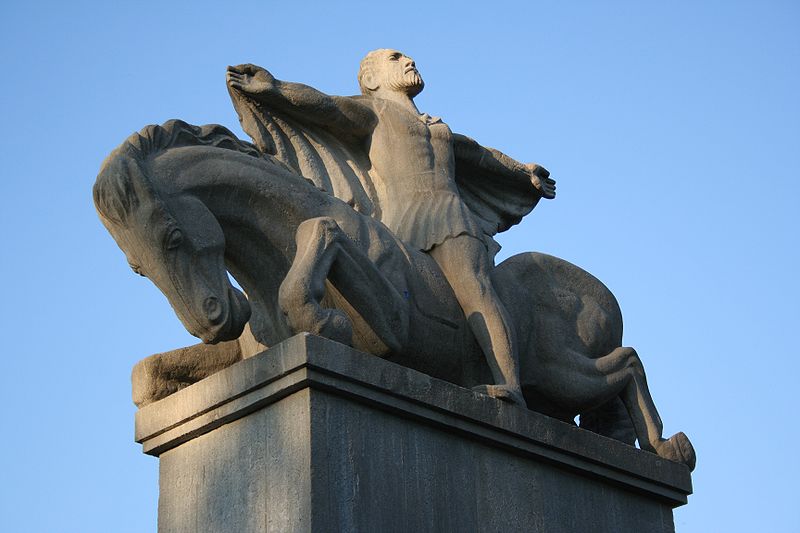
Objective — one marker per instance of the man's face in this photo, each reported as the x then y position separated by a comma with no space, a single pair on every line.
397,72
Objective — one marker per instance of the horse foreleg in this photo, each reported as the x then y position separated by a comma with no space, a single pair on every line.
303,288
623,367
324,251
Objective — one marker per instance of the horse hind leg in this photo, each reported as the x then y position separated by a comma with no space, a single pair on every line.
635,394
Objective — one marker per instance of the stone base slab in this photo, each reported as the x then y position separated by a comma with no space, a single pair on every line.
311,435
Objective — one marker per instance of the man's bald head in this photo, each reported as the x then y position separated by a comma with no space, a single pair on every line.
389,70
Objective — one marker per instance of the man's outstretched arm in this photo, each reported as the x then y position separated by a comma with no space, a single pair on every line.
342,114
494,162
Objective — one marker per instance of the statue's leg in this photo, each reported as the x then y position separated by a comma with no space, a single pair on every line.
324,251
465,263
621,372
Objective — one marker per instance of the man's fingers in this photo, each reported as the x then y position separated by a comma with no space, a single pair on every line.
549,189
246,68
540,177
538,170
237,80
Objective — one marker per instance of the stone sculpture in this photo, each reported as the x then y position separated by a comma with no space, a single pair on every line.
364,221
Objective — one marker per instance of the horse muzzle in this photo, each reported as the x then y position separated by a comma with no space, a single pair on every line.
224,321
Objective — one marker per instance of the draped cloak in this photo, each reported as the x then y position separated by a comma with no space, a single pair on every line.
490,192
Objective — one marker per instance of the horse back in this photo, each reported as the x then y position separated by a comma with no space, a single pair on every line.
558,306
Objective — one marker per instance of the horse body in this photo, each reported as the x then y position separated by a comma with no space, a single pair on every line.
178,199
261,246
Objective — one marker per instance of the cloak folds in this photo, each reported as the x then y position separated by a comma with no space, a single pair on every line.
496,189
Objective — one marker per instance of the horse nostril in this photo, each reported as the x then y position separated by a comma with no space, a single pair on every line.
213,309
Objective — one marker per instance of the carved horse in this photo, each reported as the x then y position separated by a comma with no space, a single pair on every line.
189,204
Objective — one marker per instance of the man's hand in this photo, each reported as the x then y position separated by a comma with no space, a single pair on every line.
540,178
250,79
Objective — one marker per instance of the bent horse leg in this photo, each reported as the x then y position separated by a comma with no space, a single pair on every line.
162,374
624,368
324,251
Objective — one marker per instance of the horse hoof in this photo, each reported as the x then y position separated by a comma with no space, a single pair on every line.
502,392
336,326
678,448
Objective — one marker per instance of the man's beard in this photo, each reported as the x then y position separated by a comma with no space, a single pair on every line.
409,82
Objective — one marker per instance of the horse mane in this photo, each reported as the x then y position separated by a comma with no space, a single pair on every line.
114,191
177,133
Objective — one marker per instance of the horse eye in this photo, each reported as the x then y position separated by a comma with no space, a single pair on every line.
174,240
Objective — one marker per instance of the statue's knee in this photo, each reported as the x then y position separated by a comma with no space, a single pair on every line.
315,228
318,224
291,297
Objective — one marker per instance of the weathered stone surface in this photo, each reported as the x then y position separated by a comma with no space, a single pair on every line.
366,222
438,192
314,436
162,374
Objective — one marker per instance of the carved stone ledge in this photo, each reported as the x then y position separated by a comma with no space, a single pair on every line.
314,436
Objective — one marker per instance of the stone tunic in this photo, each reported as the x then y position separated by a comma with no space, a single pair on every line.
431,218
426,208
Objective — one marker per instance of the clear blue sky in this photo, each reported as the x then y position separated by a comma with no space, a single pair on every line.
672,128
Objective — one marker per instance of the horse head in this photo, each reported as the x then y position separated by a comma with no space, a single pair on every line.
176,242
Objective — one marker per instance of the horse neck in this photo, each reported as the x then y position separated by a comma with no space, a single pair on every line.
246,194
259,206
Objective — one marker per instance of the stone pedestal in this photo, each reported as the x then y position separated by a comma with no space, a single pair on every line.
314,436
